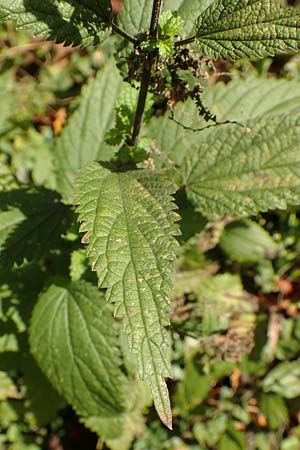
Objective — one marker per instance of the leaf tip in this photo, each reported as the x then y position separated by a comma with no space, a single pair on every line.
168,423
165,417
162,400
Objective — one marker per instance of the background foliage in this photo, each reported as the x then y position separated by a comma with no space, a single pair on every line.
235,309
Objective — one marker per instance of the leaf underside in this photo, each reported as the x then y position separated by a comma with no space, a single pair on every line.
239,171
128,221
233,29
71,22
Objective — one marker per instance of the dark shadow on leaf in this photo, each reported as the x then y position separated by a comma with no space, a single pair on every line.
31,221
192,222
86,20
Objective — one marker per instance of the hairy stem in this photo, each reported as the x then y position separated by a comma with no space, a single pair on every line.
148,61
155,17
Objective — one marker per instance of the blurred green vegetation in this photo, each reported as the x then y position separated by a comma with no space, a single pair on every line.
236,306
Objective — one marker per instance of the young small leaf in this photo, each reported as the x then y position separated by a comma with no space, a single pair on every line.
128,220
170,24
233,29
188,10
135,14
239,171
72,23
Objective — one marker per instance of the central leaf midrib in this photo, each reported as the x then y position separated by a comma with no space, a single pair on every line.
135,274
132,258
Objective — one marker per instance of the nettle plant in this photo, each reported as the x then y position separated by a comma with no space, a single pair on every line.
148,125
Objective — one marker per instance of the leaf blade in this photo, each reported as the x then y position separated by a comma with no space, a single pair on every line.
233,30
135,14
82,140
236,172
128,221
188,10
31,222
244,99
78,333
241,100
72,23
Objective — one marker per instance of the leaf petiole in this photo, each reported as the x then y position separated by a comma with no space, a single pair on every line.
124,34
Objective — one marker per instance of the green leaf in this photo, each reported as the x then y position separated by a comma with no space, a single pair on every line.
128,222
39,391
8,343
82,140
288,346
31,222
233,439
7,388
209,433
79,351
239,171
11,314
224,305
247,241
136,15
247,98
72,22
275,410
188,10
240,100
8,101
234,29
19,287
125,108
120,432
170,24
77,264
194,388
290,443
74,340
284,379
171,139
